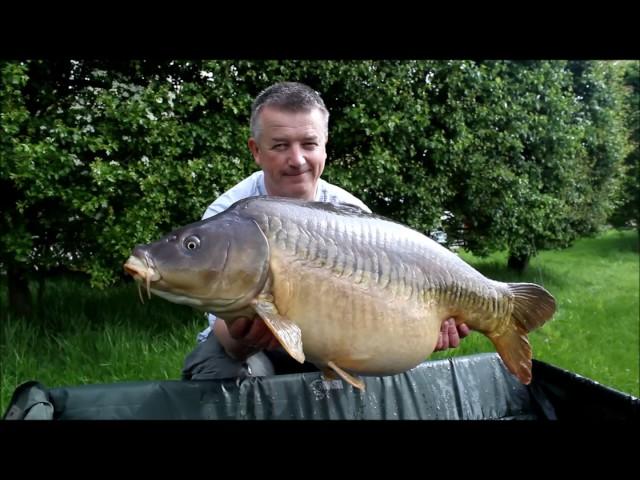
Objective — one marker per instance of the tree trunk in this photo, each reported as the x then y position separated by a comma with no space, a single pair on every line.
20,302
518,262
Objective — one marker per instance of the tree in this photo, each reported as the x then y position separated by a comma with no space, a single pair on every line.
15,246
533,164
514,150
628,200
97,156
599,88
102,155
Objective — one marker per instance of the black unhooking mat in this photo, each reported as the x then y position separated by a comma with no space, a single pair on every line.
475,387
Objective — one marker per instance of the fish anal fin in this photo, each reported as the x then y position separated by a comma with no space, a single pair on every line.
347,377
287,332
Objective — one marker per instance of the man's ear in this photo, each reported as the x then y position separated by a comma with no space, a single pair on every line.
255,149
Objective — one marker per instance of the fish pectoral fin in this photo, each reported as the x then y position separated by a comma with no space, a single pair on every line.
347,377
288,333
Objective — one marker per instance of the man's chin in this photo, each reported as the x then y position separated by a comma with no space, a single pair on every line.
298,190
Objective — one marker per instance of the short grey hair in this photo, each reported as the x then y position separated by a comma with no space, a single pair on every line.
288,96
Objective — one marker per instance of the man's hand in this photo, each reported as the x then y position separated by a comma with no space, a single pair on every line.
450,335
253,333
247,336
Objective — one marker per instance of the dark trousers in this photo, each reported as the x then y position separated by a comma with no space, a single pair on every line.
210,361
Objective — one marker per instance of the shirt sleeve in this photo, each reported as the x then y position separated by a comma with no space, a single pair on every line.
246,188
335,194
223,202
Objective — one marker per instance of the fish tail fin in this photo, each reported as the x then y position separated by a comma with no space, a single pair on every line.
533,306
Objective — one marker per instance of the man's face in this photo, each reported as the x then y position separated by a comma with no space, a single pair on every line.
291,151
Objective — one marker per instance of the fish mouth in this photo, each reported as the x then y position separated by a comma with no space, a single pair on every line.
142,271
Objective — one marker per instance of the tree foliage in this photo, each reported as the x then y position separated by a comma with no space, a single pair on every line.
97,156
523,157
627,201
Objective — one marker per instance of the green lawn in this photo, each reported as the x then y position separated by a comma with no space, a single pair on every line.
85,336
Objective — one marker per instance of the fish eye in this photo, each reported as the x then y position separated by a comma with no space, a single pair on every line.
192,242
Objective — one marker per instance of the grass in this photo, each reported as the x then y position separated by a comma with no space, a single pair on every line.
84,336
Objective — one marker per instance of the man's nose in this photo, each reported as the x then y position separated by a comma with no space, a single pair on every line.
296,158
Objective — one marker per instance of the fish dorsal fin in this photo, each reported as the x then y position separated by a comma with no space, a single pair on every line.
287,332
347,377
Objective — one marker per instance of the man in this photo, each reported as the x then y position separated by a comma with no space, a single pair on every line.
289,132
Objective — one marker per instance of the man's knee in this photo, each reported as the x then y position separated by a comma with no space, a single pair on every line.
210,361
259,365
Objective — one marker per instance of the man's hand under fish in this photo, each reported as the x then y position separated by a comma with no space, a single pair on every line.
450,335
254,335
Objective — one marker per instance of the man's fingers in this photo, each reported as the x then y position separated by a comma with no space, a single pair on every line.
265,338
463,330
239,328
273,344
452,334
256,332
250,331
443,336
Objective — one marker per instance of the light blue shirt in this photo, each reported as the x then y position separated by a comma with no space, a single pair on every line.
253,186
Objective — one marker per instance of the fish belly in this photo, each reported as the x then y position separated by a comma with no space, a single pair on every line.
353,322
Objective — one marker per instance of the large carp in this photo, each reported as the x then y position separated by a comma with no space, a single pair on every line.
352,292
